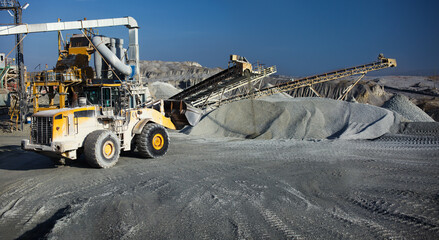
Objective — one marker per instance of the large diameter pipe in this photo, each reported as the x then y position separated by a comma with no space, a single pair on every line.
112,59
134,51
98,65
129,22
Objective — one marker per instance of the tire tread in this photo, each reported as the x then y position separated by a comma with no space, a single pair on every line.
143,143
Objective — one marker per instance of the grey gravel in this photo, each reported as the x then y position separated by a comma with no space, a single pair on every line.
298,118
403,106
207,188
162,90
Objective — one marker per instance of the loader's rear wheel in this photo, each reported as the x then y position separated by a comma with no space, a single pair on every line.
102,149
153,141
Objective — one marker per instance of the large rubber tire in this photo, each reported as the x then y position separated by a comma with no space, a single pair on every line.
102,149
153,141
134,142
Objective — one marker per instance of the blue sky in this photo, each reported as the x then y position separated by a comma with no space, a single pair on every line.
300,37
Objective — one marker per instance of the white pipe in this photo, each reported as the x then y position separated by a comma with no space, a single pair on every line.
133,49
111,58
129,22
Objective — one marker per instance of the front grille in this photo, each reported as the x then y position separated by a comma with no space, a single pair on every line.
41,130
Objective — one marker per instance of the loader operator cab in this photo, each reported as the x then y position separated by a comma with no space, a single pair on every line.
111,96
108,97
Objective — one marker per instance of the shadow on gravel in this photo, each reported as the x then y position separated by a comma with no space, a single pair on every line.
43,229
9,148
13,158
130,154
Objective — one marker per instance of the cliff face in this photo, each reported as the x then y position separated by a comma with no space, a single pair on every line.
152,71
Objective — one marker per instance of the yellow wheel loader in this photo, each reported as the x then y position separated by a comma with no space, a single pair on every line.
99,133
102,130
113,115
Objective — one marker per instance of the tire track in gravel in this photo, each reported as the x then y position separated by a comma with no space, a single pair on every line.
243,230
269,216
223,197
99,191
275,222
87,186
391,213
404,201
380,231
50,194
313,220
410,139
24,197
10,209
248,189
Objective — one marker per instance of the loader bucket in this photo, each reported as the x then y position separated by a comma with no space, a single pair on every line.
181,113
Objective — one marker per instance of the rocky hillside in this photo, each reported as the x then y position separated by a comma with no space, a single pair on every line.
175,72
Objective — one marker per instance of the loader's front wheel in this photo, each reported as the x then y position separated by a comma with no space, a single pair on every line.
153,141
102,149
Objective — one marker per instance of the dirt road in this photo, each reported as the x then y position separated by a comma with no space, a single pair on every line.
226,188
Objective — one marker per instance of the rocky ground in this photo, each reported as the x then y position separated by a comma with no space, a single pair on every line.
214,187
222,188
179,74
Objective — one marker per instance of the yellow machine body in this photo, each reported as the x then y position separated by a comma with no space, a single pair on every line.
60,133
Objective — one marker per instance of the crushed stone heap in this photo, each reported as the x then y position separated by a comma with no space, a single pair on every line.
161,90
297,118
402,105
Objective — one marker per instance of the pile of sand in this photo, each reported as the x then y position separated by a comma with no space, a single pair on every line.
298,118
402,105
162,90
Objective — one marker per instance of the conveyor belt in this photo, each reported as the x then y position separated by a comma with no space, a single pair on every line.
309,81
208,85
218,84
216,95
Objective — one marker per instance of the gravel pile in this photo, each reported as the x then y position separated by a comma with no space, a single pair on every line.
161,90
403,106
298,118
